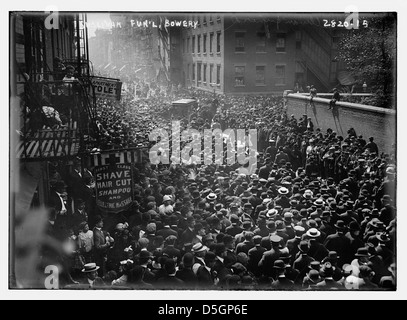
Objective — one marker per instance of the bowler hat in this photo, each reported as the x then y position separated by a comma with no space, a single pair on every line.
331,257
144,254
340,225
327,270
279,264
303,246
316,265
362,252
188,259
314,276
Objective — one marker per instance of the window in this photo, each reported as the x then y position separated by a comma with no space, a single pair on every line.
280,43
211,73
239,46
188,71
218,42
183,45
204,73
193,72
204,43
199,43
239,76
199,72
188,42
298,39
193,44
211,19
218,19
211,43
260,75
280,75
204,20
218,75
261,42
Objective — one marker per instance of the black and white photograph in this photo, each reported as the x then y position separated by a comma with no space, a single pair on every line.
203,151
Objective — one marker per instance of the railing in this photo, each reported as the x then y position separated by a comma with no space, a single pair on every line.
43,133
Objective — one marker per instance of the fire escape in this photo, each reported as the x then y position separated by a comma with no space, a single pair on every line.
58,116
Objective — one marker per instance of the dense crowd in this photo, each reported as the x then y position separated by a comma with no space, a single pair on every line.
318,214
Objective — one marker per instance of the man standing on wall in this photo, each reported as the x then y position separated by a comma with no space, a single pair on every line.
336,97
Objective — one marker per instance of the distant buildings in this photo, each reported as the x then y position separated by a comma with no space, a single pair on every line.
224,53
257,54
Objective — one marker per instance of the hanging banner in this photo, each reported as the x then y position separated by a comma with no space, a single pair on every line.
114,187
107,88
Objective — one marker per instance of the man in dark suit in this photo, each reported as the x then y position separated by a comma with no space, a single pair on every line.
247,244
185,272
58,202
101,245
91,279
316,249
303,260
166,230
328,283
169,280
170,250
340,243
220,263
80,215
189,233
293,244
265,170
206,276
267,261
255,254
281,282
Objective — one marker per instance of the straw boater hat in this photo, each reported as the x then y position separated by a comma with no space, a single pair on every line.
90,267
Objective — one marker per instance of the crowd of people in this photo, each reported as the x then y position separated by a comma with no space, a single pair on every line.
319,213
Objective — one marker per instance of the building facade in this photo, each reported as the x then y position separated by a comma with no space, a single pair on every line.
203,53
258,54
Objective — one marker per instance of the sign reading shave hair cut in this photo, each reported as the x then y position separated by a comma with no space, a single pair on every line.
114,187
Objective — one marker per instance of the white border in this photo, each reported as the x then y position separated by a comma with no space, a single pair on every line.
216,6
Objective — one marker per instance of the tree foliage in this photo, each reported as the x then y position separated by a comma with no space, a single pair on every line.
370,55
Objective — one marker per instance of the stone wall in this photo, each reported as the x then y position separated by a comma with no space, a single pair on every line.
368,121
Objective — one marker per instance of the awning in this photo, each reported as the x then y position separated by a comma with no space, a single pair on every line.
345,78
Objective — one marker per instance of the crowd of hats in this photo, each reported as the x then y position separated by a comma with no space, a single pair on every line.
215,213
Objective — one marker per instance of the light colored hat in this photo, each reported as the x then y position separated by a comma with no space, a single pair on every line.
283,190
199,247
90,267
167,198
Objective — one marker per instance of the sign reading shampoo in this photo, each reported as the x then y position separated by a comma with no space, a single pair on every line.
114,191
107,88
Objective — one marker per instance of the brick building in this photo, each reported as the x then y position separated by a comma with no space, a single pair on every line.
258,53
